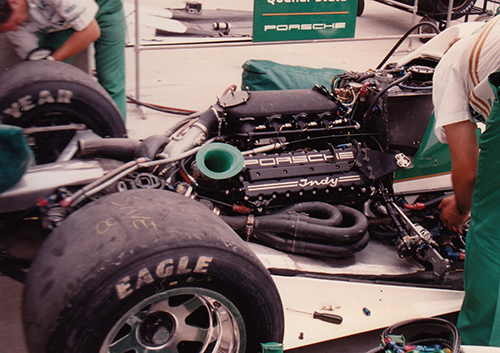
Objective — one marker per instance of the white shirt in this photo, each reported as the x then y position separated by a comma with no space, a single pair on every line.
49,16
461,78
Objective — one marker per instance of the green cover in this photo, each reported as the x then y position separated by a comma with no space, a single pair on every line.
265,75
15,156
479,319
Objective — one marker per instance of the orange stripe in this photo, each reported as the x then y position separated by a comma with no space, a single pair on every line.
474,56
480,105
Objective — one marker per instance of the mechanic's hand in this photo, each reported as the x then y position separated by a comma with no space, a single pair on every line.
450,216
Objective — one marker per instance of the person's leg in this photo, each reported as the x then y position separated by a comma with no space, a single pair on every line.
110,53
109,50
479,319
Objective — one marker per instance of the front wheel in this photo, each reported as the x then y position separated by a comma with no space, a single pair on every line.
149,271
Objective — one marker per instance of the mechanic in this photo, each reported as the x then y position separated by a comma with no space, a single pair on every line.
461,83
70,26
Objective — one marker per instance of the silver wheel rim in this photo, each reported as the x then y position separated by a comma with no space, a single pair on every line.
185,320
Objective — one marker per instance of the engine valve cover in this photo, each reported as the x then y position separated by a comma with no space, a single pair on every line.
311,174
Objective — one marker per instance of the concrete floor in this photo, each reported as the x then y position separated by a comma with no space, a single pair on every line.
191,77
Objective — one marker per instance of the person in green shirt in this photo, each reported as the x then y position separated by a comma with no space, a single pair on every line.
70,26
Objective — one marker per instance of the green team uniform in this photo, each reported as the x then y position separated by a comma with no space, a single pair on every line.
460,82
479,319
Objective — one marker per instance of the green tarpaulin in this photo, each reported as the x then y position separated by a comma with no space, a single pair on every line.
264,75
15,156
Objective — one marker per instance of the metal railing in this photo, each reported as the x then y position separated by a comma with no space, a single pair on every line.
138,47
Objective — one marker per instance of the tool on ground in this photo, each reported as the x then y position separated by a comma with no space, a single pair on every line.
331,318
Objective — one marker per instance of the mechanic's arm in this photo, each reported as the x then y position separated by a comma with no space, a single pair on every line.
462,141
78,41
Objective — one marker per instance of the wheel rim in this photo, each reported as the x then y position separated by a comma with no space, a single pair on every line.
185,320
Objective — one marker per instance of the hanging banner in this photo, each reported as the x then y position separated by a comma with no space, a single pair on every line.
288,20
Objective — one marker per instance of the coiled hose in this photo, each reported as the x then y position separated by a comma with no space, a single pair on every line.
309,228
431,326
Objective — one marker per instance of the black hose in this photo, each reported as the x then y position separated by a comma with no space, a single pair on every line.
312,228
303,247
344,225
401,40
121,149
453,345
151,146
177,111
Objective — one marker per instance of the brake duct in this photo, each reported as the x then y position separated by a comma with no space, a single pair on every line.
309,228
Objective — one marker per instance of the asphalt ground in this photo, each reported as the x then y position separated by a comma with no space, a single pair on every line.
192,76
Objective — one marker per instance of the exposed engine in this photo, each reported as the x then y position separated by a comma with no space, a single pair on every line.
304,171
310,145
301,174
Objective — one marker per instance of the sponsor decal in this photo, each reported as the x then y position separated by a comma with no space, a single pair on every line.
304,27
166,268
288,20
270,161
307,182
29,102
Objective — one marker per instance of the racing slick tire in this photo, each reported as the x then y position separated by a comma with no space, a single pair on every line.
148,271
52,95
460,8
361,8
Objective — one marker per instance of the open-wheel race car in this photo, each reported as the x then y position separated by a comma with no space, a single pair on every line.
189,241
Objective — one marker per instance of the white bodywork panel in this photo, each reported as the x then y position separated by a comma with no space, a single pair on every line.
388,305
311,284
425,184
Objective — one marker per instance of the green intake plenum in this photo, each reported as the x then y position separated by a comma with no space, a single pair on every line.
219,160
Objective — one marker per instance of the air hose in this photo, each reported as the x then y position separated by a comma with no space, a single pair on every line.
309,228
402,39
431,335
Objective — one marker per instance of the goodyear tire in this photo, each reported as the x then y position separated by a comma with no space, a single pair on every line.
148,271
47,93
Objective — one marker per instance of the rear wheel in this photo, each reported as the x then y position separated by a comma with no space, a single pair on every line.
361,8
182,320
460,8
54,100
149,271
